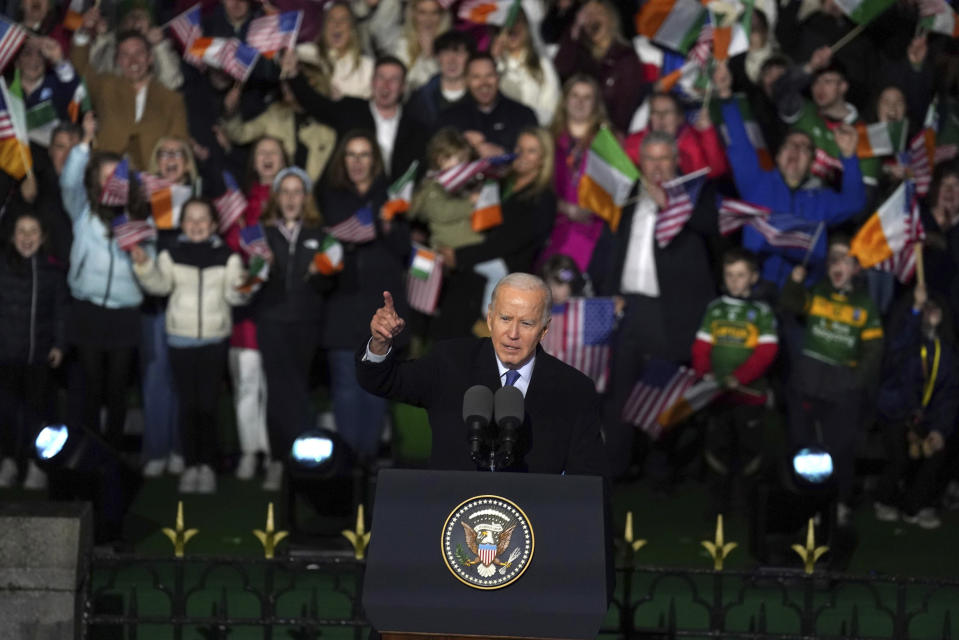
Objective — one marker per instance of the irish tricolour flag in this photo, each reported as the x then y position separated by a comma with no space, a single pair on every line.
329,259
881,138
937,16
608,179
495,12
399,194
864,11
674,24
887,232
487,212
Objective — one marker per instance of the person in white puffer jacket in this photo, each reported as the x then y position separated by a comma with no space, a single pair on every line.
202,277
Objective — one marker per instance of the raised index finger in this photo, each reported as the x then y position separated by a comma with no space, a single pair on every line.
388,302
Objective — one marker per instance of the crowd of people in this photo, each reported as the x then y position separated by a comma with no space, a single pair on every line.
375,91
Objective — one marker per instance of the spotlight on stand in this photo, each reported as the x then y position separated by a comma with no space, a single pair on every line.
325,486
803,487
82,466
812,468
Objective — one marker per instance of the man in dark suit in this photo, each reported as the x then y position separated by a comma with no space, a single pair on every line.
561,429
489,120
666,288
401,136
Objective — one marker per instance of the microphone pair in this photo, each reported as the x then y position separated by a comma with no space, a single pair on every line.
482,409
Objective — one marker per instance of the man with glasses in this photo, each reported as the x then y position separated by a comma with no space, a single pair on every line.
788,188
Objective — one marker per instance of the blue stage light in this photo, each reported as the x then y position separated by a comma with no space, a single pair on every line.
813,465
312,449
51,440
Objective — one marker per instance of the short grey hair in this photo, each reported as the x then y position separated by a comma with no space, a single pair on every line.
659,137
526,282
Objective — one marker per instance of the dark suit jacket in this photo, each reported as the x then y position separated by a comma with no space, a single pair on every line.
686,283
561,431
349,113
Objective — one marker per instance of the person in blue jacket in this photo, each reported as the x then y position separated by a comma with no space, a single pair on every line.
104,322
918,404
788,188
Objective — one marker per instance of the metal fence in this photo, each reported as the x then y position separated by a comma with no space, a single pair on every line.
132,597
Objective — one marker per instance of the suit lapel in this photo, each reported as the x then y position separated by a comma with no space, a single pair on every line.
485,371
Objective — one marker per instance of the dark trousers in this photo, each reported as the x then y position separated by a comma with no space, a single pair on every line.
918,477
733,446
833,423
106,377
24,406
642,335
198,372
287,350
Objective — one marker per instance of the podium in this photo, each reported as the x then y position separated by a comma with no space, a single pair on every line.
534,566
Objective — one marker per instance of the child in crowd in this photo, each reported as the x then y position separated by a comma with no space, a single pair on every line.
201,276
267,159
839,365
33,300
449,214
918,404
581,326
735,345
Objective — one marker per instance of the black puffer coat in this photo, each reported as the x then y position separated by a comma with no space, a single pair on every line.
33,302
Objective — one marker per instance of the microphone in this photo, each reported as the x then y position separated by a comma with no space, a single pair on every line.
477,411
508,407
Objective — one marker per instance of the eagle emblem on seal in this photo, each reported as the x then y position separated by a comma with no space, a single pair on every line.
487,542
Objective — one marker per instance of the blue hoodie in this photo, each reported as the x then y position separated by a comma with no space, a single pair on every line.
100,272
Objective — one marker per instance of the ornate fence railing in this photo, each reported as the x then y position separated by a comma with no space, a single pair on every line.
136,597
140,597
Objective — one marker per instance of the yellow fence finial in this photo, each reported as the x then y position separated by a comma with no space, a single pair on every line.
269,538
635,545
718,548
359,538
810,553
179,536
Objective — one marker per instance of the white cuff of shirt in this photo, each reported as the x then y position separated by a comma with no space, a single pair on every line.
375,357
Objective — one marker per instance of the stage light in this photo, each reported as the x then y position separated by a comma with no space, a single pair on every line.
313,449
51,440
813,465
80,465
324,485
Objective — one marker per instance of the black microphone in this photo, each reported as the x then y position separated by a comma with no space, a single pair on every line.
477,411
508,407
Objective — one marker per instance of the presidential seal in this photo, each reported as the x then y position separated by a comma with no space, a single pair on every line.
487,542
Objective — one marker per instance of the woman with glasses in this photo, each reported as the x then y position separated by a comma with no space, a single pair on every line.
374,261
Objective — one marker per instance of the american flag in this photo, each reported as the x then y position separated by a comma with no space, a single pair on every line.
787,231
662,384
681,196
269,34
824,165
186,26
231,205
129,233
253,241
7,130
238,59
424,280
903,263
12,37
116,191
918,161
580,334
455,178
150,183
733,213
358,228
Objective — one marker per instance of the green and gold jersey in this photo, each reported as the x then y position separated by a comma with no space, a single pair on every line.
838,324
735,328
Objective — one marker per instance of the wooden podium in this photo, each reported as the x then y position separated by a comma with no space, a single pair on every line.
559,580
